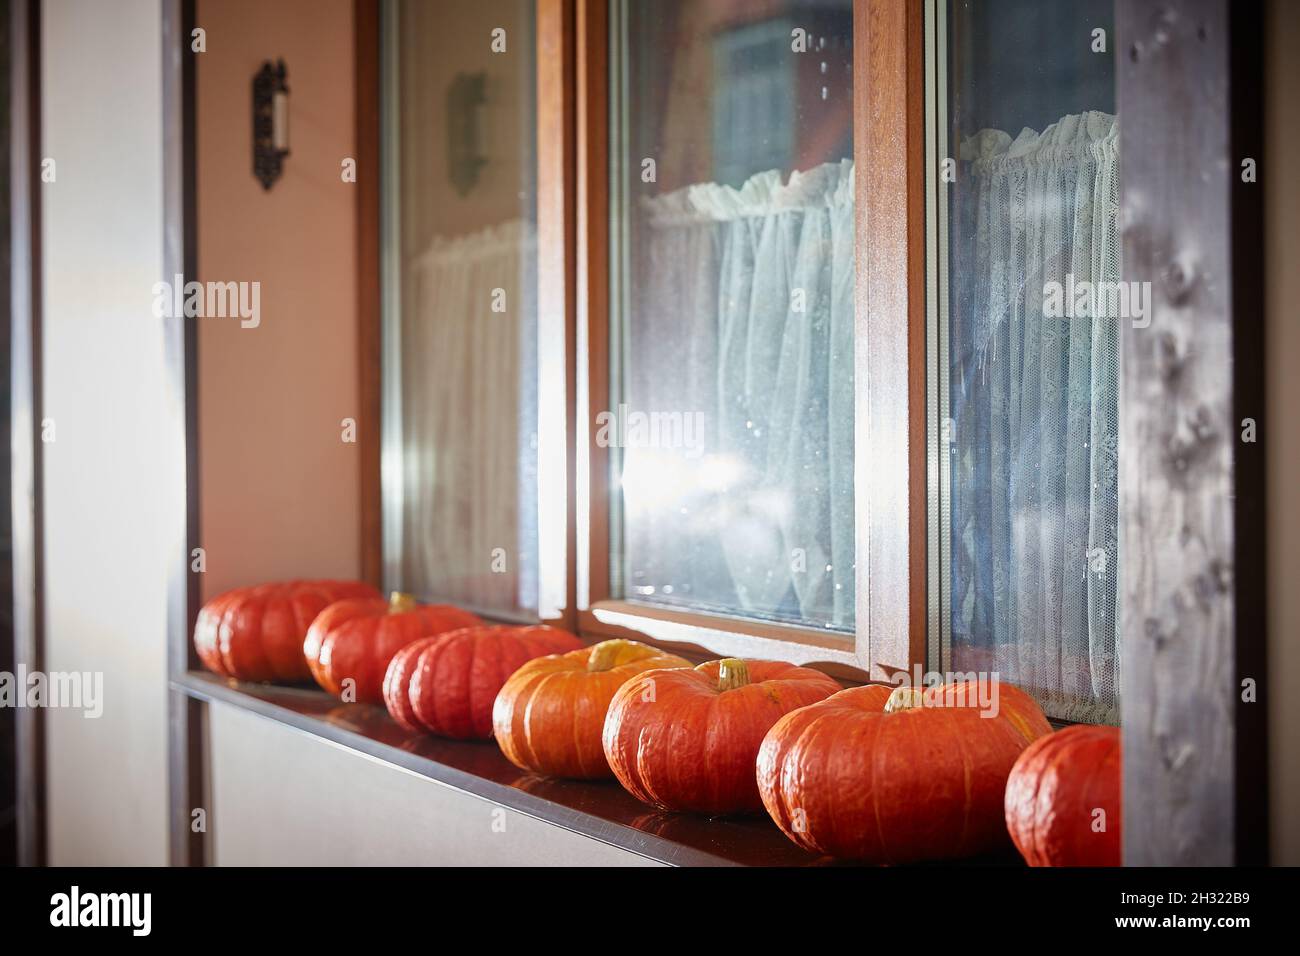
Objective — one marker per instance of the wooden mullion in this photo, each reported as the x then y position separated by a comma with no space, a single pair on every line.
890,336
889,339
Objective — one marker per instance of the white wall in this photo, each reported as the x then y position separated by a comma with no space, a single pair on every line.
282,797
106,490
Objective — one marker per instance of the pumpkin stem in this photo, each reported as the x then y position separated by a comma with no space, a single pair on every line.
399,603
732,673
904,698
605,654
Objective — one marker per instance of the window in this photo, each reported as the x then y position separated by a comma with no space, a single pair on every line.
730,423
623,331
817,355
699,408
1026,306
461,464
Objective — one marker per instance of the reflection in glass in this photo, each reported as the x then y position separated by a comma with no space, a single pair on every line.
733,310
1032,379
460,413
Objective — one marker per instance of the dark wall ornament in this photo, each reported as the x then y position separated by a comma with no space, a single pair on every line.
270,122
467,93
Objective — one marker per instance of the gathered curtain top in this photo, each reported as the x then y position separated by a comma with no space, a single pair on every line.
500,239
763,194
990,150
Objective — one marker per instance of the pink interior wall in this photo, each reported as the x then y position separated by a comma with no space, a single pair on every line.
278,486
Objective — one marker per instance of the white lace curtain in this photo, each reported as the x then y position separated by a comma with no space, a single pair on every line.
469,413
744,312
1034,403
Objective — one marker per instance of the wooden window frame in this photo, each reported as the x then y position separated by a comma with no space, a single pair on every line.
556,302
573,308
889,373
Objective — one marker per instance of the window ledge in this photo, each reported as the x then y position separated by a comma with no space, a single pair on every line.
599,811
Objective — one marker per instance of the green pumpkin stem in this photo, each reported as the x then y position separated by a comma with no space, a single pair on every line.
399,603
732,673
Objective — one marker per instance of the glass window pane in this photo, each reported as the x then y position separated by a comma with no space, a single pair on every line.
1030,355
731,428
460,328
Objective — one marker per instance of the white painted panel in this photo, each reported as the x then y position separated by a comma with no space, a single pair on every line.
283,797
107,494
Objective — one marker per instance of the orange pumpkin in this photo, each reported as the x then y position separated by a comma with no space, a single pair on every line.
897,777
446,685
256,633
686,739
356,639
549,715
1063,798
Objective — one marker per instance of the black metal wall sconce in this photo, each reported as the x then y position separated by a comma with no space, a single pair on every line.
270,122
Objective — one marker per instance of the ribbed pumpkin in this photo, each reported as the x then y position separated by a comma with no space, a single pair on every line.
357,638
1063,799
895,777
686,739
256,633
549,715
446,685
